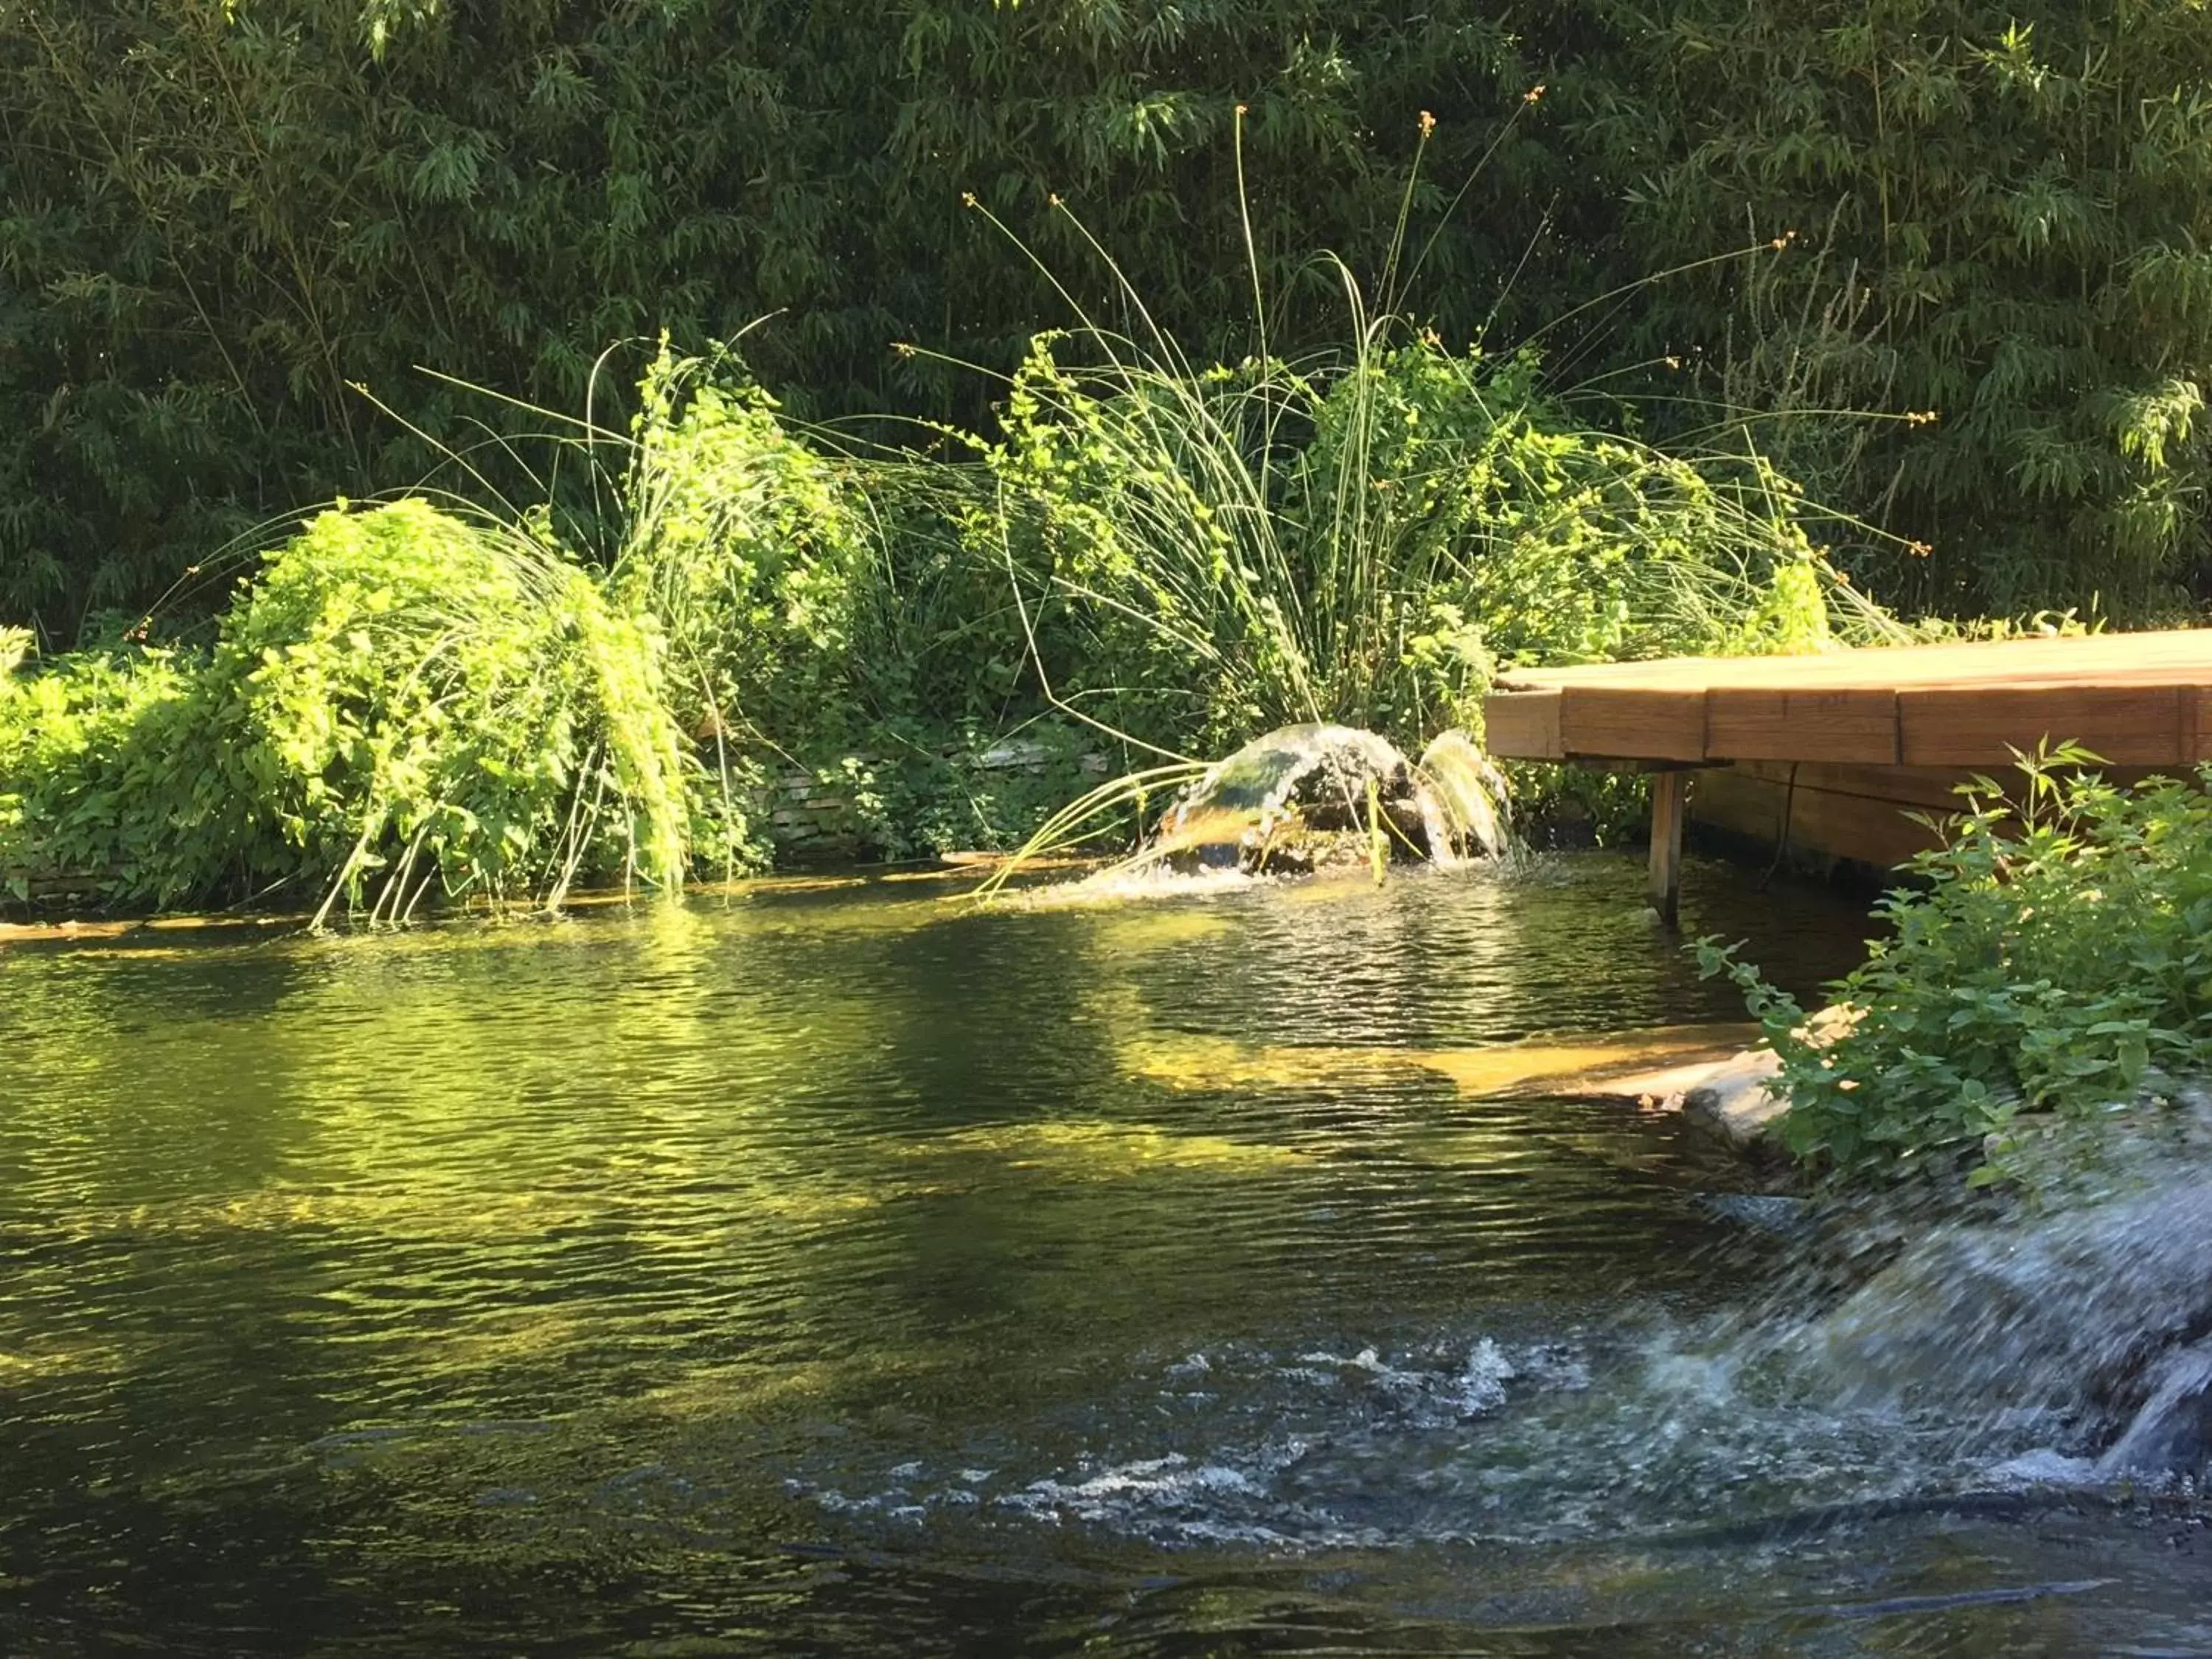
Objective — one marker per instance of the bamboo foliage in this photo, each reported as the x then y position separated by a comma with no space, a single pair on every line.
2012,206
220,216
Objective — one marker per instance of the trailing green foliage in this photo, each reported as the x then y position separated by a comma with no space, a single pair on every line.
2056,965
401,697
756,554
401,687
822,614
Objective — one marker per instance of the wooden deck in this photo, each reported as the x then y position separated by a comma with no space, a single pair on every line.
2136,700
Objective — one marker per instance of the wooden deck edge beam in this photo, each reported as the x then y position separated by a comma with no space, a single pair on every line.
1652,724
2133,701
1523,725
1982,726
1852,725
1966,726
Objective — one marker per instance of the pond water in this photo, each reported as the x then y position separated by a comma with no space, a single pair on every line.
848,1272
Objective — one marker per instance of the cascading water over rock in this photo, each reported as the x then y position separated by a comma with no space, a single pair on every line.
1304,796
1981,1360
2090,1328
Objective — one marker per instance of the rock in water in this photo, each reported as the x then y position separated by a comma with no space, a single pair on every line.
2172,1433
1737,1102
1291,800
2097,1315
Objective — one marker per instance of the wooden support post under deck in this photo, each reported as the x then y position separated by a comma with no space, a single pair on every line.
1668,794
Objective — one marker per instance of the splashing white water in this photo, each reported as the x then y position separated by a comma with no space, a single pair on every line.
2068,1349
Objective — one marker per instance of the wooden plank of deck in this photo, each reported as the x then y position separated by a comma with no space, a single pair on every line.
1967,726
1645,722
1523,724
2185,651
1847,723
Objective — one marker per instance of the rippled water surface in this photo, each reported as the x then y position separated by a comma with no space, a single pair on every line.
850,1273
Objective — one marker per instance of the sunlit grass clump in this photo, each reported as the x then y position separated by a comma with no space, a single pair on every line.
1205,554
1360,538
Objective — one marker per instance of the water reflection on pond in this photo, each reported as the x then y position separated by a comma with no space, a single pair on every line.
842,1270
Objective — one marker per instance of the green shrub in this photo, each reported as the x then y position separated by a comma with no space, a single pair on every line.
104,775
401,697
813,592
400,688
821,612
753,551
2056,963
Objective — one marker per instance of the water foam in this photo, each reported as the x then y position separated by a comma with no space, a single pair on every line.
2066,1349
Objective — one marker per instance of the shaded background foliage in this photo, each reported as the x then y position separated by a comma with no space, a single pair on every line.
214,217
2002,216
219,218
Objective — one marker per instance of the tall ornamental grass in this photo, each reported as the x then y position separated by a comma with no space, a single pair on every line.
1203,555
1361,536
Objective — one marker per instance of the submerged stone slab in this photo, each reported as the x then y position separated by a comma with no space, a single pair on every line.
1725,1095
1732,1098
1734,1101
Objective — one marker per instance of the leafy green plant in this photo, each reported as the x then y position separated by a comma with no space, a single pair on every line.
401,696
99,773
819,611
755,553
2054,962
412,696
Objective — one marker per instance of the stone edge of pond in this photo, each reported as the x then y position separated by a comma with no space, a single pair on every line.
76,930
1724,1096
